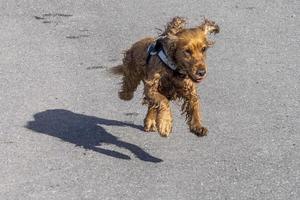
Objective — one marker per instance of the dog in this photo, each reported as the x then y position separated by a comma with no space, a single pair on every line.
170,66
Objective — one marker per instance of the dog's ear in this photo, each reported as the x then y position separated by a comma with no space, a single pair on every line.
209,27
169,43
169,38
173,27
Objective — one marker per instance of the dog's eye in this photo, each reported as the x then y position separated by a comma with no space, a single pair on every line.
188,52
203,49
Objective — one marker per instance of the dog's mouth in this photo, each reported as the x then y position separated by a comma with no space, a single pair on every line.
197,78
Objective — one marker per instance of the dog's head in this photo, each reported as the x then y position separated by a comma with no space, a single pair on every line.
187,46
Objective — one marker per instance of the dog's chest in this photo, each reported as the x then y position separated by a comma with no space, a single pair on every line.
174,88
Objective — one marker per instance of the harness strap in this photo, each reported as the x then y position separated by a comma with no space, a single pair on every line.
164,58
156,48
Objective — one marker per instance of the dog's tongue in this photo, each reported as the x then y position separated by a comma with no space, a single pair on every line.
199,80
196,79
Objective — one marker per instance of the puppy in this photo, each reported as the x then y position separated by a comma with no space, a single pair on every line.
170,66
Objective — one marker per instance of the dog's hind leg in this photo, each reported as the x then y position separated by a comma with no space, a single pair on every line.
132,76
130,82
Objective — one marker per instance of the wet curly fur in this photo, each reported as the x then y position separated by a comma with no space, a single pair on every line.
187,48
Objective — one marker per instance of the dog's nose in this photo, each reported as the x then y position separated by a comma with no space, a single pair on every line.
201,72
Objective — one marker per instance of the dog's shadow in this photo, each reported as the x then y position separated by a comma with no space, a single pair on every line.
86,131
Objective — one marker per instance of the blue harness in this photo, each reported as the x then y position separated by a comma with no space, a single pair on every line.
156,48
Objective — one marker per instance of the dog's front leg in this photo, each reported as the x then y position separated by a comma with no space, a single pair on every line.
159,105
164,119
150,120
191,107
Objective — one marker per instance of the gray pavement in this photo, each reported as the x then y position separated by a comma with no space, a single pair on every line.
64,134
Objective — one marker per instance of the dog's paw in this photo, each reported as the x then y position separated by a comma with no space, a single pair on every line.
199,131
126,96
150,126
164,127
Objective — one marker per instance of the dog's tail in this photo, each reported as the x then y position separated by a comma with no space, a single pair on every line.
117,70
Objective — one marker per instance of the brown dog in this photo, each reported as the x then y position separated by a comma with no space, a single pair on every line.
170,68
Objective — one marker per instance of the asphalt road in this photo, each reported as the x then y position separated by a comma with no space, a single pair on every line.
64,134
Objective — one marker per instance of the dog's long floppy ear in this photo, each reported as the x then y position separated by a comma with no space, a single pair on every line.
168,37
174,26
209,27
